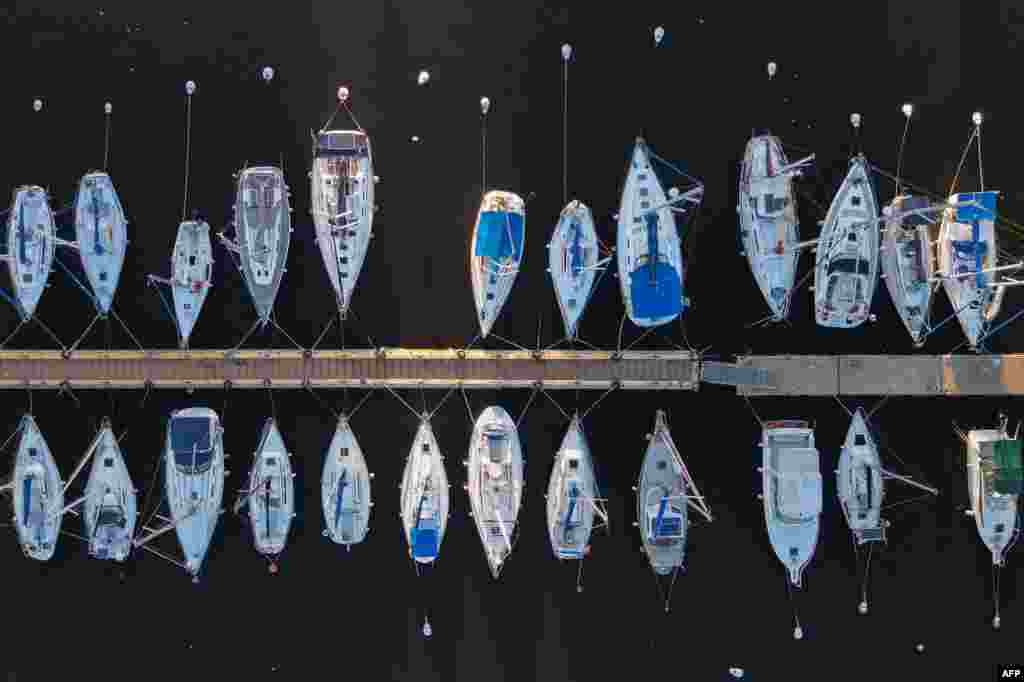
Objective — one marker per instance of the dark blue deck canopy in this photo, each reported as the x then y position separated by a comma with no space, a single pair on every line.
424,539
499,234
657,296
188,433
985,210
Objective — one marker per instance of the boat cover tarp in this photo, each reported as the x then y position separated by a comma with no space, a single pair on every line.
915,203
662,297
499,234
189,431
986,209
424,539
1008,473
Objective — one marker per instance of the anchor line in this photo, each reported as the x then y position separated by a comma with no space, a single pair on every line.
188,142
597,402
555,403
270,397
322,403
565,131
792,602
483,153
899,155
963,157
533,394
106,143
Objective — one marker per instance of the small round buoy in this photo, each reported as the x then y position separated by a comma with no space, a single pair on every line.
414,138
736,672
855,120
566,52
108,107
773,69
996,622
427,630
343,94
673,192
798,632
272,568
977,118
268,74
190,88
908,109
485,105
422,78
579,589
37,105
195,580
920,648
659,33
862,608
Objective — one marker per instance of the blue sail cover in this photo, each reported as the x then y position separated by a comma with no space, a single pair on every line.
342,482
499,234
189,431
424,539
986,210
657,296
573,494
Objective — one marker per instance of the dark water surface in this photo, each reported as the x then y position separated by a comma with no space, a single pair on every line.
696,100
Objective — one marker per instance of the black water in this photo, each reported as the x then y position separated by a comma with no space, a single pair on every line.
696,100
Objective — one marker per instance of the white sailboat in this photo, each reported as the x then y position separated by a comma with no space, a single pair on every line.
31,240
192,276
499,236
494,482
101,231
37,493
846,270
424,500
270,495
574,261
908,261
345,488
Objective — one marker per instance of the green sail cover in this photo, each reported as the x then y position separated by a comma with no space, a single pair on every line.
1007,472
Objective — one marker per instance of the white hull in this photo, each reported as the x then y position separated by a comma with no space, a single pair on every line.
272,499
30,246
342,206
791,493
975,302
996,516
662,512
573,257
345,488
495,481
769,227
194,485
192,275
650,301
37,492
496,252
264,229
424,500
860,486
571,489
101,230
111,509
846,269
908,266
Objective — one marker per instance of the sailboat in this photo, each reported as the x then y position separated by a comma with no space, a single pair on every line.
345,488
192,275
995,483
263,228
342,206
194,479
769,223
37,493
424,499
574,260
499,236
791,493
908,261
31,239
861,487
494,482
109,498
650,257
574,503
846,270
270,495
102,235
664,495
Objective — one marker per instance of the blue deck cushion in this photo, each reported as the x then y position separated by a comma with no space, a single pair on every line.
986,210
499,234
424,539
661,298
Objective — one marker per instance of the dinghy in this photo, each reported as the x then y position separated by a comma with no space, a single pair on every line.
664,494
650,258
497,251
102,236
494,483
342,206
271,494
791,493
769,226
30,247
192,275
846,270
263,227
37,492
967,253
574,260
908,261
424,497
111,509
573,500
194,480
345,488
994,483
